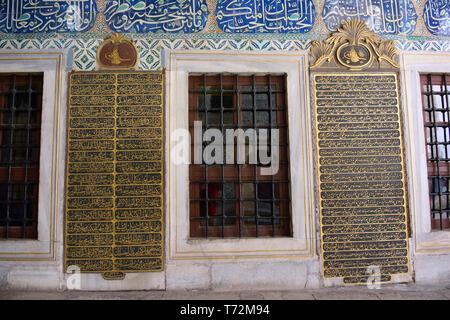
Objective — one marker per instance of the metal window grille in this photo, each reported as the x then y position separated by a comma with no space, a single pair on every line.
235,200
20,119
435,97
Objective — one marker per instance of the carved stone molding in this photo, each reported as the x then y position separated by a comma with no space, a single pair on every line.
353,47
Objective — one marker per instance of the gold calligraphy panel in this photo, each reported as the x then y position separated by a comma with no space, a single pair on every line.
114,173
361,180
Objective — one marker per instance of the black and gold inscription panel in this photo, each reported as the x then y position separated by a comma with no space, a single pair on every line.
115,173
361,181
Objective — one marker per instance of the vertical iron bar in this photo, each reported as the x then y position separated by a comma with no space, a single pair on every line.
239,116
435,142
445,102
445,145
222,165
11,143
432,121
206,166
27,151
256,165
272,205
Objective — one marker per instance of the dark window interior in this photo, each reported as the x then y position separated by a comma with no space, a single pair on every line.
20,119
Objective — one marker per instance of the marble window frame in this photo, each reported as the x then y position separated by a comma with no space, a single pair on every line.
412,65
179,64
52,64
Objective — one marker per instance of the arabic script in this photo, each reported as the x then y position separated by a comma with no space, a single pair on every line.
186,16
381,16
251,16
436,15
26,16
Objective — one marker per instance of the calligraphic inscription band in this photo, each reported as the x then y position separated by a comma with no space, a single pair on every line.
156,16
380,16
115,172
34,16
361,179
248,16
436,16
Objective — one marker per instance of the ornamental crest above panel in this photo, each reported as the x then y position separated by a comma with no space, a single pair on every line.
353,47
116,52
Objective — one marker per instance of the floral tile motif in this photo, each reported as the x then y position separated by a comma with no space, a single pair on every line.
150,50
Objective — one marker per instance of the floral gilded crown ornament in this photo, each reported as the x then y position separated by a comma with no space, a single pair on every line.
116,52
355,47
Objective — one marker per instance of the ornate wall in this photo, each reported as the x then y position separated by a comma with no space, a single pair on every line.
158,25
214,24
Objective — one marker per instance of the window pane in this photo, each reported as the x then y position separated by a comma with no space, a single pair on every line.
235,199
437,134
20,117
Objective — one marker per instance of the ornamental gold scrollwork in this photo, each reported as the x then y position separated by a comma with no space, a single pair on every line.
355,47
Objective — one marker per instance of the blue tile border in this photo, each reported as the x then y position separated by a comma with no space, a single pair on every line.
150,50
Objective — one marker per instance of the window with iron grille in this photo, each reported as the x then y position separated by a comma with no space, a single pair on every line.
20,119
236,200
436,108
